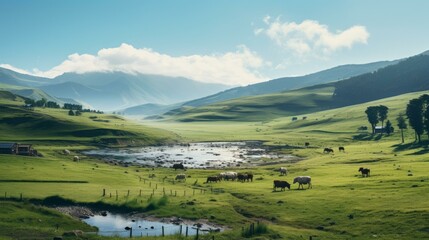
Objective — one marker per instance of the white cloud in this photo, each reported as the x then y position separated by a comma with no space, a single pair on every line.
311,37
232,68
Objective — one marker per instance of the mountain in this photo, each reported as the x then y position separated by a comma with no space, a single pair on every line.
117,90
149,109
289,83
410,75
13,78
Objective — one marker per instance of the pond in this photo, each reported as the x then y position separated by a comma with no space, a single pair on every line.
193,155
110,224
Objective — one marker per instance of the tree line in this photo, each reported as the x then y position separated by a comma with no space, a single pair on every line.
74,109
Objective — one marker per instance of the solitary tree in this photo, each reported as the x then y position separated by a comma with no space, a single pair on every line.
415,116
372,114
71,113
402,124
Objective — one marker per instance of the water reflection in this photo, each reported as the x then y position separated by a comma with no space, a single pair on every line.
194,155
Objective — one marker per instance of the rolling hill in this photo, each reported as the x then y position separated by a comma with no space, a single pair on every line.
409,75
290,83
49,125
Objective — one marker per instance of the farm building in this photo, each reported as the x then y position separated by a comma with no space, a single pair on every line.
25,149
8,147
16,148
379,129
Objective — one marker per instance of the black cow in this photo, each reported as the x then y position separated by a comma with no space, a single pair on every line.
365,172
328,150
242,177
178,166
281,184
213,179
307,144
341,149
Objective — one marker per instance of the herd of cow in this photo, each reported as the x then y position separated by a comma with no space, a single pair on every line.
226,176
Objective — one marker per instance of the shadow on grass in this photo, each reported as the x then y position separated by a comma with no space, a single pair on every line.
367,137
423,147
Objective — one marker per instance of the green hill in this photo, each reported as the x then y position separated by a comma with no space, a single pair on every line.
43,124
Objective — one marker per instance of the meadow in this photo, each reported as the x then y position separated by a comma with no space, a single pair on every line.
391,204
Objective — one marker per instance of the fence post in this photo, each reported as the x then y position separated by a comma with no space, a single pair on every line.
193,192
128,194
104,192
116,195
180,232
20,198
150,184
198,230
140,193
156,186
163,231
186,234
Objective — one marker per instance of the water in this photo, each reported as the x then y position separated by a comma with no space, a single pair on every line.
194,155
114,225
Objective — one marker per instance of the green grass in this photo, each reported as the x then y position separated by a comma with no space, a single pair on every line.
341,205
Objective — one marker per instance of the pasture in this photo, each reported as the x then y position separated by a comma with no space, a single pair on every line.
390,204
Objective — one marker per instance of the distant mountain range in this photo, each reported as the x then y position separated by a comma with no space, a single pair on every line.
113,90
406,76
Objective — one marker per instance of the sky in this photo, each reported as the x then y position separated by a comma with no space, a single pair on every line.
236,42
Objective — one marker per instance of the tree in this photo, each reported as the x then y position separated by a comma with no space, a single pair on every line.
388,128
78,113
372,114
71,113
382,114
415,116
402,124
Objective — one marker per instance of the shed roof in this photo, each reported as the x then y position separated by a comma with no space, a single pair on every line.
7,144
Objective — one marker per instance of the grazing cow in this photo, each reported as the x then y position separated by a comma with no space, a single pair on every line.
307,144
66,152
328,150
341,149
242,177
283,171
303,180
178,166
281,184
213,179
365,172
180,177
76,158
228,175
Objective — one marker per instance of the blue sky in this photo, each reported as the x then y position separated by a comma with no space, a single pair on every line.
232,42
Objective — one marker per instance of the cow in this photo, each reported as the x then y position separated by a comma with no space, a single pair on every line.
281,184
365,172
228,175
66,152
178,166
303,180
341,149
283,171
328,150
307,144
76,158
180,177
242,177
213,179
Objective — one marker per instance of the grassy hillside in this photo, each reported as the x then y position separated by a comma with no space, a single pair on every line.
261,107
55,125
